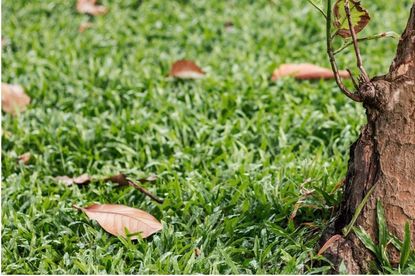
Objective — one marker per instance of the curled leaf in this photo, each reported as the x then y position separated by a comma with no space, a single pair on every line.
90,7
186,69
305,71
13,98
359,16
120,220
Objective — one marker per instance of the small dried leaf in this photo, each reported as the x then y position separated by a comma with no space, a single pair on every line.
328,243
90,7
82,179
197,252
13,98
120,179
78,180
25,158
84,26
359,17
186,69
305,71
118,219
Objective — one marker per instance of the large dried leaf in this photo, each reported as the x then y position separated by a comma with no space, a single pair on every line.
13,98
120,219
305,71
186,69
359,16
90,7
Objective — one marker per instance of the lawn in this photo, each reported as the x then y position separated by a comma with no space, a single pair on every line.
233,152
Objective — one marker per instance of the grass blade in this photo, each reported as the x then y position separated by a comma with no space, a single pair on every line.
406,247
365,239
383,233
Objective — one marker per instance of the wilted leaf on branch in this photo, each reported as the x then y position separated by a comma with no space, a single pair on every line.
90,7
120,219
305,71
13,98
186,69
359,16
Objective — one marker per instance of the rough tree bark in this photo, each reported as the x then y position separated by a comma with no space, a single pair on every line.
383,157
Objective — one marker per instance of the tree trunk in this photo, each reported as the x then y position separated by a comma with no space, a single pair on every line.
383,157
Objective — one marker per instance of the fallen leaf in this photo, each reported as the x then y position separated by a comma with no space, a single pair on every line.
13,98
328,243
120,179
197,252
25,158
116,219
359,17
305,71
90,7
78,180
84,26
186,69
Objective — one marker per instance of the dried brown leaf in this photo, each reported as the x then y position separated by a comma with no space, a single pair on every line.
84,26
120,179
78,180
305,71
186,69
197,252
25,158
117,219
13,98
328,243
90,7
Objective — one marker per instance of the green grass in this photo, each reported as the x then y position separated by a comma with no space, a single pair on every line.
232,151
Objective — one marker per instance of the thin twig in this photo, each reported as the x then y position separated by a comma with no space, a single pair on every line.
355,84
376,36
317,7
332,59
355,43
144,191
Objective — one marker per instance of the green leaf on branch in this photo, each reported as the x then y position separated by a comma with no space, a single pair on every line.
359,16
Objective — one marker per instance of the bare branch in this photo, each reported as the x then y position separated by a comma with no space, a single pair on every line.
355,43
372,37
332,59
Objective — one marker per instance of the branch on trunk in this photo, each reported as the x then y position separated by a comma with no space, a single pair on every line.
330,52
363,73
